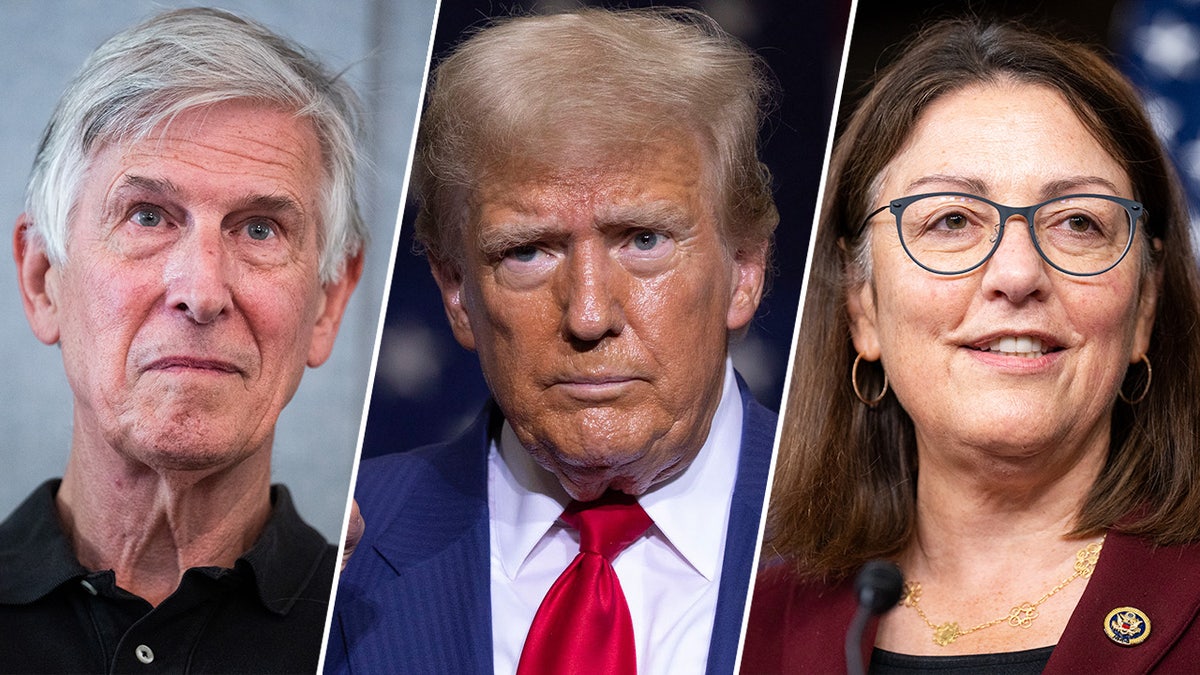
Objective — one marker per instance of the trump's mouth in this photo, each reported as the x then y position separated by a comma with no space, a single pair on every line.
596,388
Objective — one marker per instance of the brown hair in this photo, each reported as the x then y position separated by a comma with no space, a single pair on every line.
845,483
530,88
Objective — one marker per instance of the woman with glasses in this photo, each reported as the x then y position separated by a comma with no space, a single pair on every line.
997,379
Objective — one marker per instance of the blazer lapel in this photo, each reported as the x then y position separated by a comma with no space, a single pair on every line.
433,612
745,514
1163,583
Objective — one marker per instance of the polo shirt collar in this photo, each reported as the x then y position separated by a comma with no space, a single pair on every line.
35,554
37,558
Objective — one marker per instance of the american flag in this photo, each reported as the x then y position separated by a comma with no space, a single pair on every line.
1160,40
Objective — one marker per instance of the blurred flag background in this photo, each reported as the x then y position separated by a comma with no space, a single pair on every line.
427,387
1159,41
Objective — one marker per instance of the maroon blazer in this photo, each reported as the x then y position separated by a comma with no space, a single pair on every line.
798,626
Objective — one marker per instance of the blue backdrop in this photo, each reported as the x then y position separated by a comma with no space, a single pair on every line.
427,387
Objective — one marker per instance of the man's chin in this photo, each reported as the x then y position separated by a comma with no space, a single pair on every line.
176,453
586,491
635,477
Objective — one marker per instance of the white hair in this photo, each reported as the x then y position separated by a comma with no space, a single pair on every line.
181,60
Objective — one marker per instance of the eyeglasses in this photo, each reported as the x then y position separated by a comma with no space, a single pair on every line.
955,232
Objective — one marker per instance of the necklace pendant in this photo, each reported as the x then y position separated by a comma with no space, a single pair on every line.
1023,615
912,594
946,633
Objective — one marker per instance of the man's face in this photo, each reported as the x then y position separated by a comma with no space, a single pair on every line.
599,299
190,302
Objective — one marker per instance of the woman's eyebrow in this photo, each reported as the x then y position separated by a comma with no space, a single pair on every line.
1071,184
975,186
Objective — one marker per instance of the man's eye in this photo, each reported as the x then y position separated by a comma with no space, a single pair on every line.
260,230
522,253
147,217
646,241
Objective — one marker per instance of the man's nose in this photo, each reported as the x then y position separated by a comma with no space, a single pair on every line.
1016,270
199,274
593,304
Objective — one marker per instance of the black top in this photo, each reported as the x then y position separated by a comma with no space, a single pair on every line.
266,615
1023,662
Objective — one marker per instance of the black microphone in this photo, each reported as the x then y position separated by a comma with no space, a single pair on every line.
878,587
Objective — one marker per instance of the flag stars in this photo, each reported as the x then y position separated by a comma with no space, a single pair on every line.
1169,45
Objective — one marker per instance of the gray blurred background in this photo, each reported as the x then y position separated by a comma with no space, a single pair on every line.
381,46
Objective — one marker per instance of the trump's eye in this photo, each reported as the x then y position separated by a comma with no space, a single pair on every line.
147,217
648,244
647,240
526,253
260,230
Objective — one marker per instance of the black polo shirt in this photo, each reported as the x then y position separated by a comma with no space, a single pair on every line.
266,615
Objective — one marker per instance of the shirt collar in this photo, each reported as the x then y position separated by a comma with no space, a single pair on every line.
36,554
525,500
287,555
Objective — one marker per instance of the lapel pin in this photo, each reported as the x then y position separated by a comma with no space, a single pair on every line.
1127,626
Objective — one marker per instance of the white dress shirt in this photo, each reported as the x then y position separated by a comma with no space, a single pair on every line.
670,576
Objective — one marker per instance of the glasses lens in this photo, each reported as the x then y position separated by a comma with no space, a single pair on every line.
1083,235
949,233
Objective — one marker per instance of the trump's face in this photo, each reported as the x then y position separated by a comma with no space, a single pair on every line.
190,302
599,297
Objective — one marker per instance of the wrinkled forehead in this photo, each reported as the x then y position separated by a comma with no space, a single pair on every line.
263,124
227,151
597,163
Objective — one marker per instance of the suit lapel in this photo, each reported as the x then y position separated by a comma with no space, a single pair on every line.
1163,582
436,608
754,463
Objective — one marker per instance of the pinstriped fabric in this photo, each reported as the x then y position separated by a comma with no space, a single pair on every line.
415,597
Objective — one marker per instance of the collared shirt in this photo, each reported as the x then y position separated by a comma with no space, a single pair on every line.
264,615
670,576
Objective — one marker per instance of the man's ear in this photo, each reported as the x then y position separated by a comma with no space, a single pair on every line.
749,277
336,296
449,278
38,280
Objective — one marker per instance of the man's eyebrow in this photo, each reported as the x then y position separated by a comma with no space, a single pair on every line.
162,186
498,238
158,186
275,203
662,214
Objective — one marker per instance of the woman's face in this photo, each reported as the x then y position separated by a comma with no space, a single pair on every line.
961,352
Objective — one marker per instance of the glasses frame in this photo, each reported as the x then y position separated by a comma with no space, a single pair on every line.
1134,209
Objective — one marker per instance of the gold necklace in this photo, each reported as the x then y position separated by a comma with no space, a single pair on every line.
1020,616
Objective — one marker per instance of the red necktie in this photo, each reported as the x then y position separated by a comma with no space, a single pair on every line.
583,624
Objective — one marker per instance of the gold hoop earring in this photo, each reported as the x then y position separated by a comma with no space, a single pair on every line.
1145,389
870,403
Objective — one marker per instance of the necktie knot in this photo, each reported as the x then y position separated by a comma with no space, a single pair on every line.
607,525
583,626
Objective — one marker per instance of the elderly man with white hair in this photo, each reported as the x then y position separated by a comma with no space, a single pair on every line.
190,241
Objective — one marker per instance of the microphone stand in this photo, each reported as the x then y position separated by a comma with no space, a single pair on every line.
878,587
